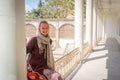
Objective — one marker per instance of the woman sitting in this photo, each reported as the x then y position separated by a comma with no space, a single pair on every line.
40,61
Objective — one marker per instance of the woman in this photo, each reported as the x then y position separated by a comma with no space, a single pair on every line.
40,57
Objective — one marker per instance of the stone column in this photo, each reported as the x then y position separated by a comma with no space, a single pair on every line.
94,24
57,36
89,18
12,40
79,24
99,26
20,39
103,30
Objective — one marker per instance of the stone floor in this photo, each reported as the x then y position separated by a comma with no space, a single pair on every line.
102,64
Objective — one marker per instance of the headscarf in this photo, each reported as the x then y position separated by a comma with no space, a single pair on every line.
41,41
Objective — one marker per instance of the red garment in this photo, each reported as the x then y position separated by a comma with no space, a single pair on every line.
32,75
35,76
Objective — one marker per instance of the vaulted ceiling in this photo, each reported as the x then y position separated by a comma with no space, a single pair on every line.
109,6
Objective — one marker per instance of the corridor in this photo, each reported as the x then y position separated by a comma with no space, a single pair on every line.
102,64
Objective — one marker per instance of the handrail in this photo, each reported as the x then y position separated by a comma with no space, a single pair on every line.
86,50
67,63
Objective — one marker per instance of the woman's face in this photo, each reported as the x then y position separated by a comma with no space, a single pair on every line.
44,29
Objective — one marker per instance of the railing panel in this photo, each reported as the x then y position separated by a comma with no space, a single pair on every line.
67,63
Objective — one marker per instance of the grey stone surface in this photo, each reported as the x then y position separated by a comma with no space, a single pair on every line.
102,64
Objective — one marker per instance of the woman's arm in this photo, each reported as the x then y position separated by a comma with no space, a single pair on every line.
30,44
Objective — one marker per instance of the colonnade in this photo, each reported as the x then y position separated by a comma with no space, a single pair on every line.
92,27
12,35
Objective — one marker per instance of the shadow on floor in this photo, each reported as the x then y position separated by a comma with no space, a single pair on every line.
111,48
98,57
113,61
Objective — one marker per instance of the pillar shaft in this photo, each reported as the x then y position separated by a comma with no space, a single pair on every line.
57,37
12,40
79,24
20,39
94,25
89,19
103,30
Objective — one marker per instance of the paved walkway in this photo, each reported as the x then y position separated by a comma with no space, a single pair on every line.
102,64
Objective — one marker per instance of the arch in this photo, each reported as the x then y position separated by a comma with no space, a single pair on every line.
52,32
30,30
66,31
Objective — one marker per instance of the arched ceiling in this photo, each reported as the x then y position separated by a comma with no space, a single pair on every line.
109,6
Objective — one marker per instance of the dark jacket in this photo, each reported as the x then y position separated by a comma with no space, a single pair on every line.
37,61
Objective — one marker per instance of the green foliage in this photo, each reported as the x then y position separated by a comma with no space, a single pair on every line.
52,9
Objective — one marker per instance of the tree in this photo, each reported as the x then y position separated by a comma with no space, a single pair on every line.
53,9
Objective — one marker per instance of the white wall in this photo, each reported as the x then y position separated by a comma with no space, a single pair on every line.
111,26
118,30
118,39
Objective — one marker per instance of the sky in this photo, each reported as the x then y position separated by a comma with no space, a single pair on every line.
30,4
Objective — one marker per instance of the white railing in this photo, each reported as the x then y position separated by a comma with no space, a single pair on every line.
70,59
67,63
86,50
